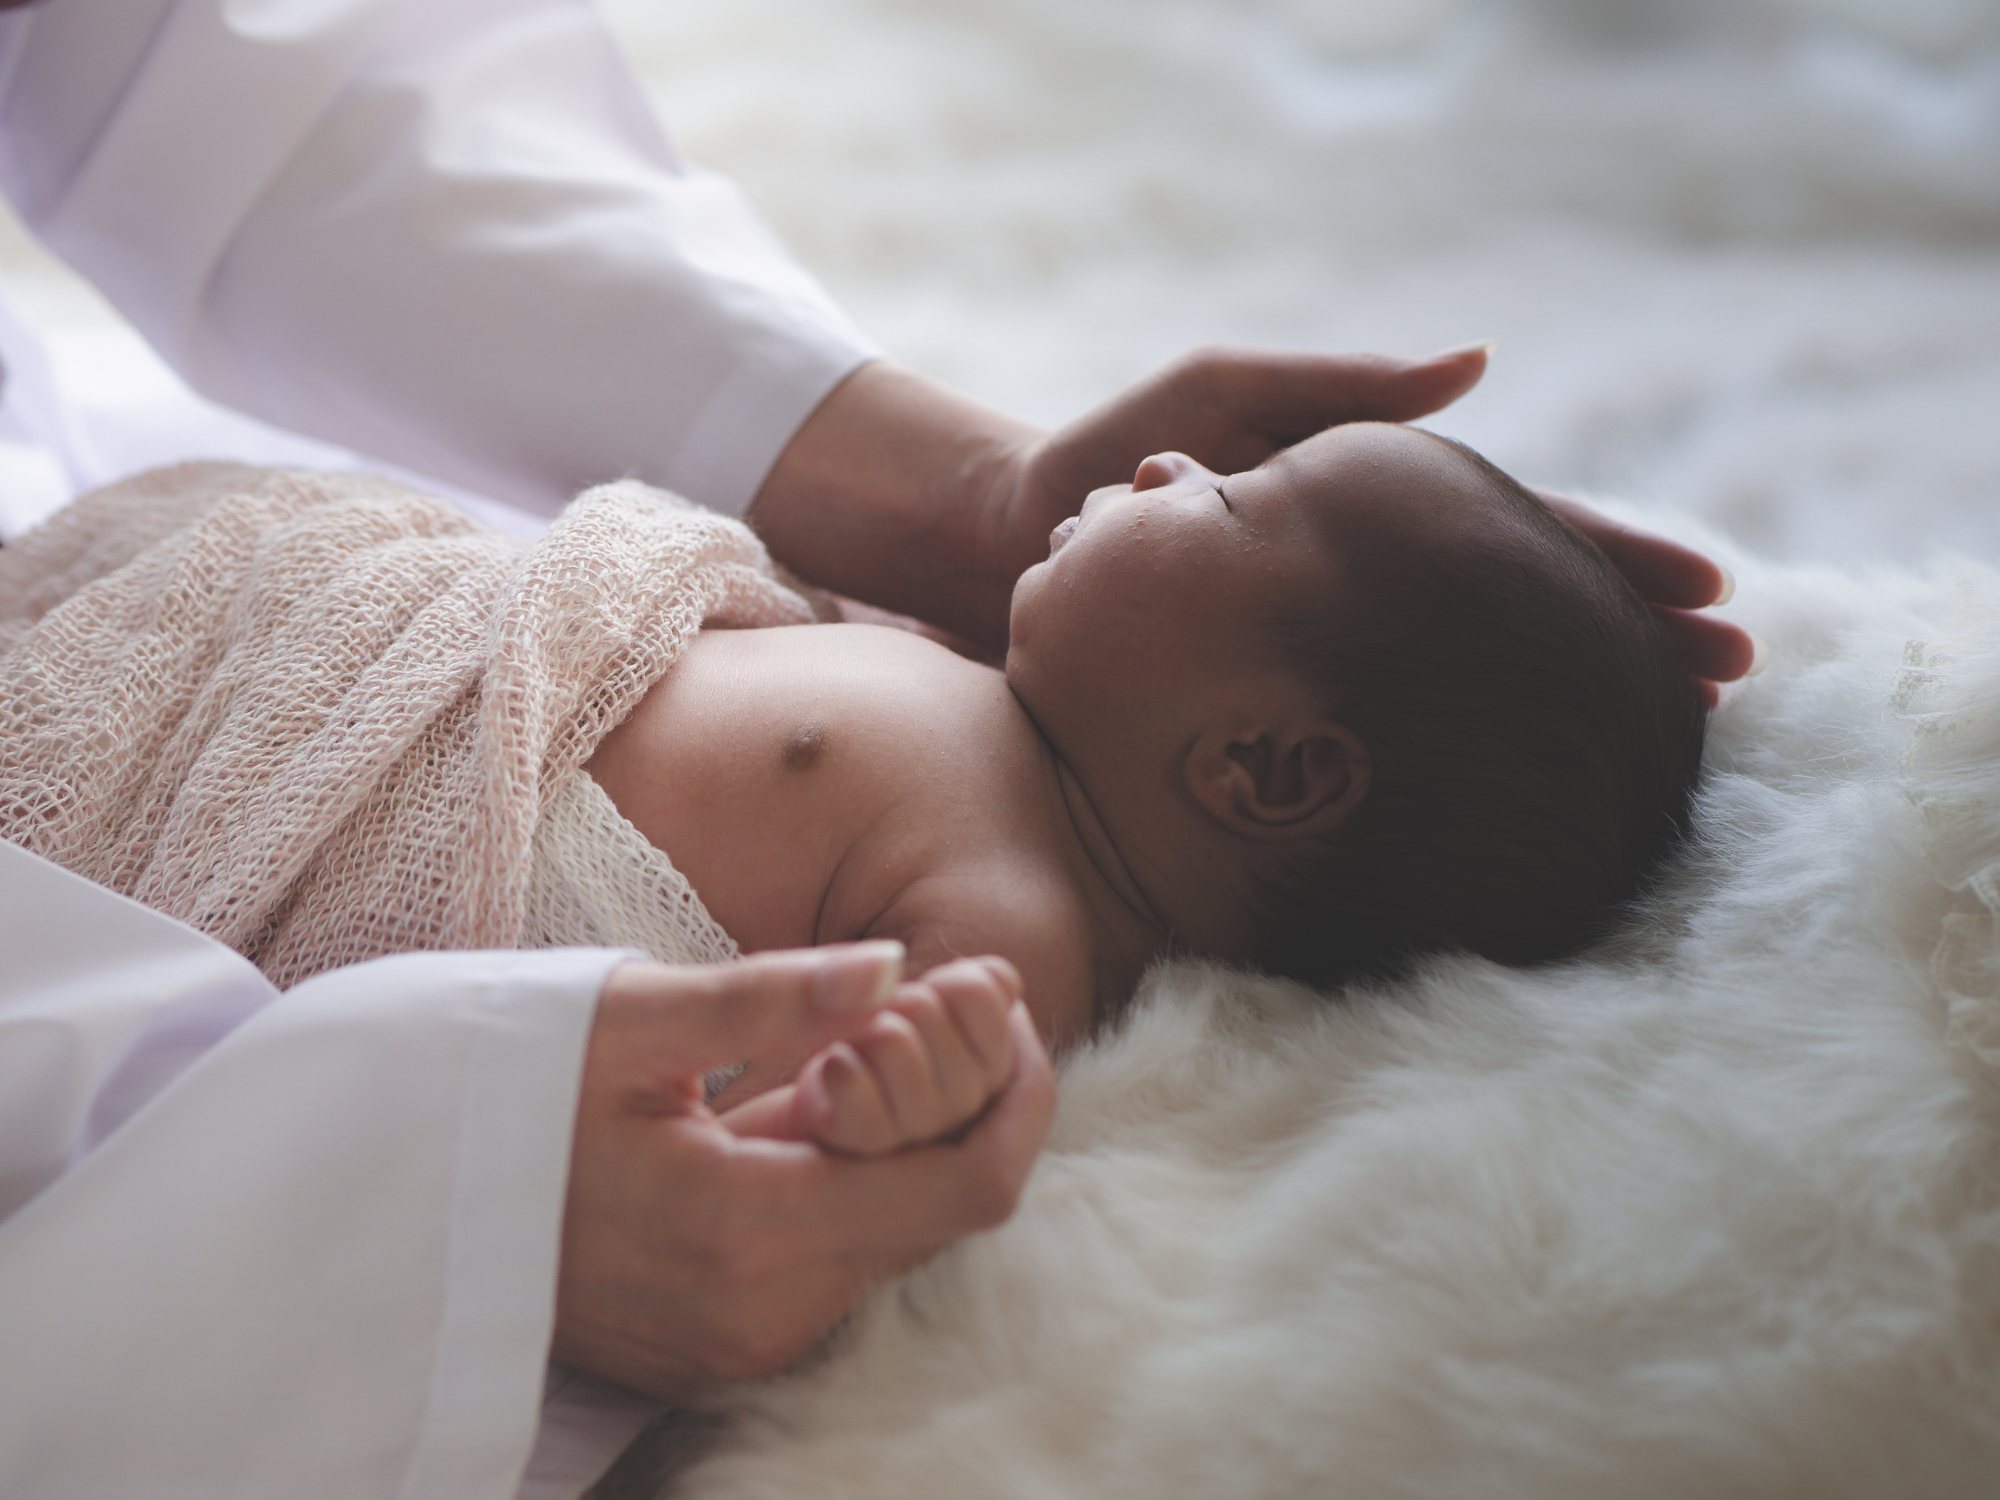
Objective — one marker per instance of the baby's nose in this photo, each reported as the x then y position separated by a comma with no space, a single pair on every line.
1164,468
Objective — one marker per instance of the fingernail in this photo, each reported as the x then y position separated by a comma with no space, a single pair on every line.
1486,346
1006,973
1760,656
1728,585
859,977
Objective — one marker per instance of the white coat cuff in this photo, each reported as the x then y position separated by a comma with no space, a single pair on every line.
779,380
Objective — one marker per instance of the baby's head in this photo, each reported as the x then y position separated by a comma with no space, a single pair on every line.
1370,700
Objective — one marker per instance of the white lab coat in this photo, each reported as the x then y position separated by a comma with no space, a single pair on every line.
261,1245
304,1245
446,233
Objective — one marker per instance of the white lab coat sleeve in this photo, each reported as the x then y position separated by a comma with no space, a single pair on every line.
448,233
256,1244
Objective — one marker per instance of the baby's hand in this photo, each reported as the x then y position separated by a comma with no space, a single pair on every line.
927,1067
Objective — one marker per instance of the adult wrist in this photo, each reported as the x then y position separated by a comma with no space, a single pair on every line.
895,491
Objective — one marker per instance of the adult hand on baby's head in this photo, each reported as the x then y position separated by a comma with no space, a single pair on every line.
1229,409
1676,582
693,1255
907,495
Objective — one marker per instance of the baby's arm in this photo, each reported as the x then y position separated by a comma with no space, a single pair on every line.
927,1067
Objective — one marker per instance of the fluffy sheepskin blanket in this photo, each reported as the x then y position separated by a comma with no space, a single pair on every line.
319,716
1715,1212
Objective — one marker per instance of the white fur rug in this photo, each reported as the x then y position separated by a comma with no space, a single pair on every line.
1716,1213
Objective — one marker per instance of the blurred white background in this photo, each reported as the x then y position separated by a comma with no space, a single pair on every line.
1742,256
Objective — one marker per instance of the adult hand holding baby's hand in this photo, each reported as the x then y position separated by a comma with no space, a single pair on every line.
927,1067
693,1254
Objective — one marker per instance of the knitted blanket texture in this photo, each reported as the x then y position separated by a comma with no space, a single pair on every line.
318,716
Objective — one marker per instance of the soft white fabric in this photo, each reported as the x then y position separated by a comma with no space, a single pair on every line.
318,716
1713,1213
446,233
263,1244
596,881
262,582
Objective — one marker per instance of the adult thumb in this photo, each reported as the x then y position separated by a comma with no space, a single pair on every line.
686,1018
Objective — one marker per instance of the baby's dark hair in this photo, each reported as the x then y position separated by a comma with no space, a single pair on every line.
1535,740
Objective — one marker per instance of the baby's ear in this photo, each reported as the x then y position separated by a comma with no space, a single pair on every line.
1299,779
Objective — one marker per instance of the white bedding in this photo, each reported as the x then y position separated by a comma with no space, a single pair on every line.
1715,1212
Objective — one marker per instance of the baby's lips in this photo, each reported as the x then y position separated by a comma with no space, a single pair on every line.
1063,532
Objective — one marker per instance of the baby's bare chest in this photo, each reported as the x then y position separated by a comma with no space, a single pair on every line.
804,779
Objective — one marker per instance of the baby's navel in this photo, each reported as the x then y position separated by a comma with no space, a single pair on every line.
803,747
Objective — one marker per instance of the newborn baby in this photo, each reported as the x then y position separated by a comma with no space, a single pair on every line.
1368,701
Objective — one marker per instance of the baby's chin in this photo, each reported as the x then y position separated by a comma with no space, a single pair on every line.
1019,677
1013,678
1020,608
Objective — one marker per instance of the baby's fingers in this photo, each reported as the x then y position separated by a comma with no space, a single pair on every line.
977,995
840,1105
927,1065
924,1092
965,1051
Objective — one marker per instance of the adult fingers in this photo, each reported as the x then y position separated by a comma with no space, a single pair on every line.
1663,572
1715,649
1315,391
682,1019
1239,405
1230,408
1675,582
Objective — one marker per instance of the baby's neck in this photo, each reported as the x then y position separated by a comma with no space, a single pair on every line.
1127,935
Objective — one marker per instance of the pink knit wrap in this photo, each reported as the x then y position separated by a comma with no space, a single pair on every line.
317,716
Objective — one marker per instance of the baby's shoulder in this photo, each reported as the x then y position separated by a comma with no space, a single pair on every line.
967,857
